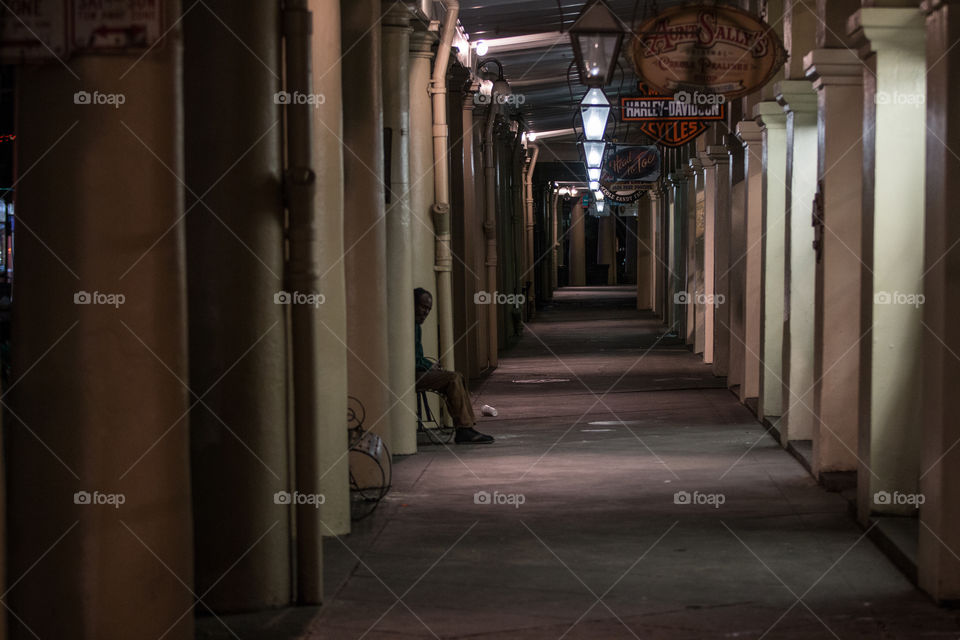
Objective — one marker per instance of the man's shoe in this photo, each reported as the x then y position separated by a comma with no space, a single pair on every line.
469,435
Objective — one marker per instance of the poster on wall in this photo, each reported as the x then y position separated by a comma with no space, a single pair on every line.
707,50
33,31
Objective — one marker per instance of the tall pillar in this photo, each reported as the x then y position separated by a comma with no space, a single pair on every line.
235,259
678,184
837,75
773,120
645,253
752,136
578,250
364,225
937,564
555,209
99,392
699,255
716,162
799,102
471,222
395,30
423,243
736,303
606,237
894,174
690,247
630,250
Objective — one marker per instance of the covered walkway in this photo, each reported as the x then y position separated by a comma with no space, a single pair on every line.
601,422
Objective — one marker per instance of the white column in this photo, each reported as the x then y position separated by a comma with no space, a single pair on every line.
894,175
699,246
838,80
752,136
799,102
773,120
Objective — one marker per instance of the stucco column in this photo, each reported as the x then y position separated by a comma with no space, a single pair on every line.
837,75
99,386
578,255
606,238
774,122
690,249
678,185
235,260
752,136
938,566
395,29
894,174
555,209
364,227
799,102
699,254
716,162
645,253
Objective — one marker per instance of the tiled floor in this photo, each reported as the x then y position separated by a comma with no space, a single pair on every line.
599,428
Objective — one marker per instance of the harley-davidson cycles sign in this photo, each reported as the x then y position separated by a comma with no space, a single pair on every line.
628,171
713,49
672,120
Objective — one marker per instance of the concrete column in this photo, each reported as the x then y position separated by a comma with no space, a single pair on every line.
630,250
678,182
606,241
716,162
837,75
894,174
659,254
240,433
699,253
752,136
99,393
480,239
471,222
555,210
578,255
737,280
423,242
773,120
799,102
938,566
395,29
645,253
690,247
364,227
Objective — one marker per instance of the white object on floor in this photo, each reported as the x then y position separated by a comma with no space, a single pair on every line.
487,410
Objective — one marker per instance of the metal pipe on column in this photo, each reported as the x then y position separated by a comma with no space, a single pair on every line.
441,176
530,261
490,231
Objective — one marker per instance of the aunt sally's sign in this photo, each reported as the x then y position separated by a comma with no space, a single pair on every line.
713,49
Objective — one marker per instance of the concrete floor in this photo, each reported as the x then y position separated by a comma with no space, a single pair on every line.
599,427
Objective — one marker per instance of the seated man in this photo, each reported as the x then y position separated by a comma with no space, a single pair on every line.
449,383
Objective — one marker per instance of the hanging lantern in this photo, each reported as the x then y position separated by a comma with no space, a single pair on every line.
594,112
596,37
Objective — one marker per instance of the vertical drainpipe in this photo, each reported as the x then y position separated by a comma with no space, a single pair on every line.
441,180
302,275
490,231
529,266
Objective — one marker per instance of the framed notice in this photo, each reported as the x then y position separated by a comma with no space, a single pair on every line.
33,30
116,25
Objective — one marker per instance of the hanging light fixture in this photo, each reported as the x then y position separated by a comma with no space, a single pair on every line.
594,112
593,154
596,37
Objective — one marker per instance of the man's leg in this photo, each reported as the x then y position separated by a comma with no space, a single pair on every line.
450,384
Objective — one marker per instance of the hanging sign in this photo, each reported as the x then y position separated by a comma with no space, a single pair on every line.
116,25
629,170
672,120
707,49
32,30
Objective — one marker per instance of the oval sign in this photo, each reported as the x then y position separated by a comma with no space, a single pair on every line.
713,50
